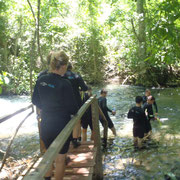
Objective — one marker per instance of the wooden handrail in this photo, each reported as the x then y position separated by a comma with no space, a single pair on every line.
6,117
58,143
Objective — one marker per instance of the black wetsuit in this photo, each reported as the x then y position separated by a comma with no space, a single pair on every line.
139,121
102,101
78,85
54,96
150,115
42,73
154,104
87,117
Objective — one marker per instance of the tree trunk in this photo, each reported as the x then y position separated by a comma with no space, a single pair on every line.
141,30
38,36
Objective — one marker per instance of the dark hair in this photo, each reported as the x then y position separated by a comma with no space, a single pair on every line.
69,68
139,99
103,91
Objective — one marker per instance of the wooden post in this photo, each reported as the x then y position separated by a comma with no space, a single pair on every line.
98,170
42,146
105,125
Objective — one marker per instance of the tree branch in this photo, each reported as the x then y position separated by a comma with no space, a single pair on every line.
32,11
134,30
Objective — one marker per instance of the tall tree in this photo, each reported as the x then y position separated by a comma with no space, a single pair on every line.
141,29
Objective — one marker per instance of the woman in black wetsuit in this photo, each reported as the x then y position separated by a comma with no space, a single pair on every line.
54,96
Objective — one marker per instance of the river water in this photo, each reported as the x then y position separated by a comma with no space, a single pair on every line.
159,159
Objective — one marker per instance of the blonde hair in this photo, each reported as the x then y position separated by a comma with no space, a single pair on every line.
58,59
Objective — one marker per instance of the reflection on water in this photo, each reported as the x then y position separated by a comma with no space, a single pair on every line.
160,158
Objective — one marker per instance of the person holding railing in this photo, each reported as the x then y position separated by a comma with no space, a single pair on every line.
78,85
102,101
54,96
87,117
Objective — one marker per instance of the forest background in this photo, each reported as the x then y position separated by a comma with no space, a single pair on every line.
135,40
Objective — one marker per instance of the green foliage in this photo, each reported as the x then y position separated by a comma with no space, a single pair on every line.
101,36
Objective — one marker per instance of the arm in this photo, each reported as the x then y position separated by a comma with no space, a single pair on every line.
82,84
69,99
130,114
35,97
104,105
155,106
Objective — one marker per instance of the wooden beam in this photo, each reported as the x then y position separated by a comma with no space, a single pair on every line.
57,144
6,117
98,170
105,126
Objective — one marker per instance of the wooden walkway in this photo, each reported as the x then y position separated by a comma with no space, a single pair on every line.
82,163
85,161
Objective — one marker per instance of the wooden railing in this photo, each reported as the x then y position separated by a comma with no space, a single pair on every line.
5,118
59,142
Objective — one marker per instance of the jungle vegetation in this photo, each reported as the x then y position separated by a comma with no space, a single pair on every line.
136,40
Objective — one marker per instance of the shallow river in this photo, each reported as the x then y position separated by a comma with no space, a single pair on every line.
159,160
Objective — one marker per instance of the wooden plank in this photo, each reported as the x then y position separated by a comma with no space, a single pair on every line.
57,144
6,117
77,171
82,163
82,149
78,177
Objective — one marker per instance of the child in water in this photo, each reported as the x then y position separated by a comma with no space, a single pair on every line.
147,94
147,107
139,121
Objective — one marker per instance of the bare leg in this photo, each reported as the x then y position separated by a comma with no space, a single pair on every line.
79,129
60,166
49,173
84,135
76,130
113,131
139,143
135,141
150,134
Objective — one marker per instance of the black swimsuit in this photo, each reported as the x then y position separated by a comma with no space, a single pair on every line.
102,101
54,96
150,115
87,117
78,85
139,121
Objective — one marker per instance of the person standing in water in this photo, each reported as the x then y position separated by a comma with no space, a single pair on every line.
87,117
78,85
147,107
54,96
139,121
102,101
148,93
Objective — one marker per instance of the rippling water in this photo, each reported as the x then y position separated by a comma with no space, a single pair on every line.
160,158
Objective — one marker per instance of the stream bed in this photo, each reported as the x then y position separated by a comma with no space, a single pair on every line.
160,159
